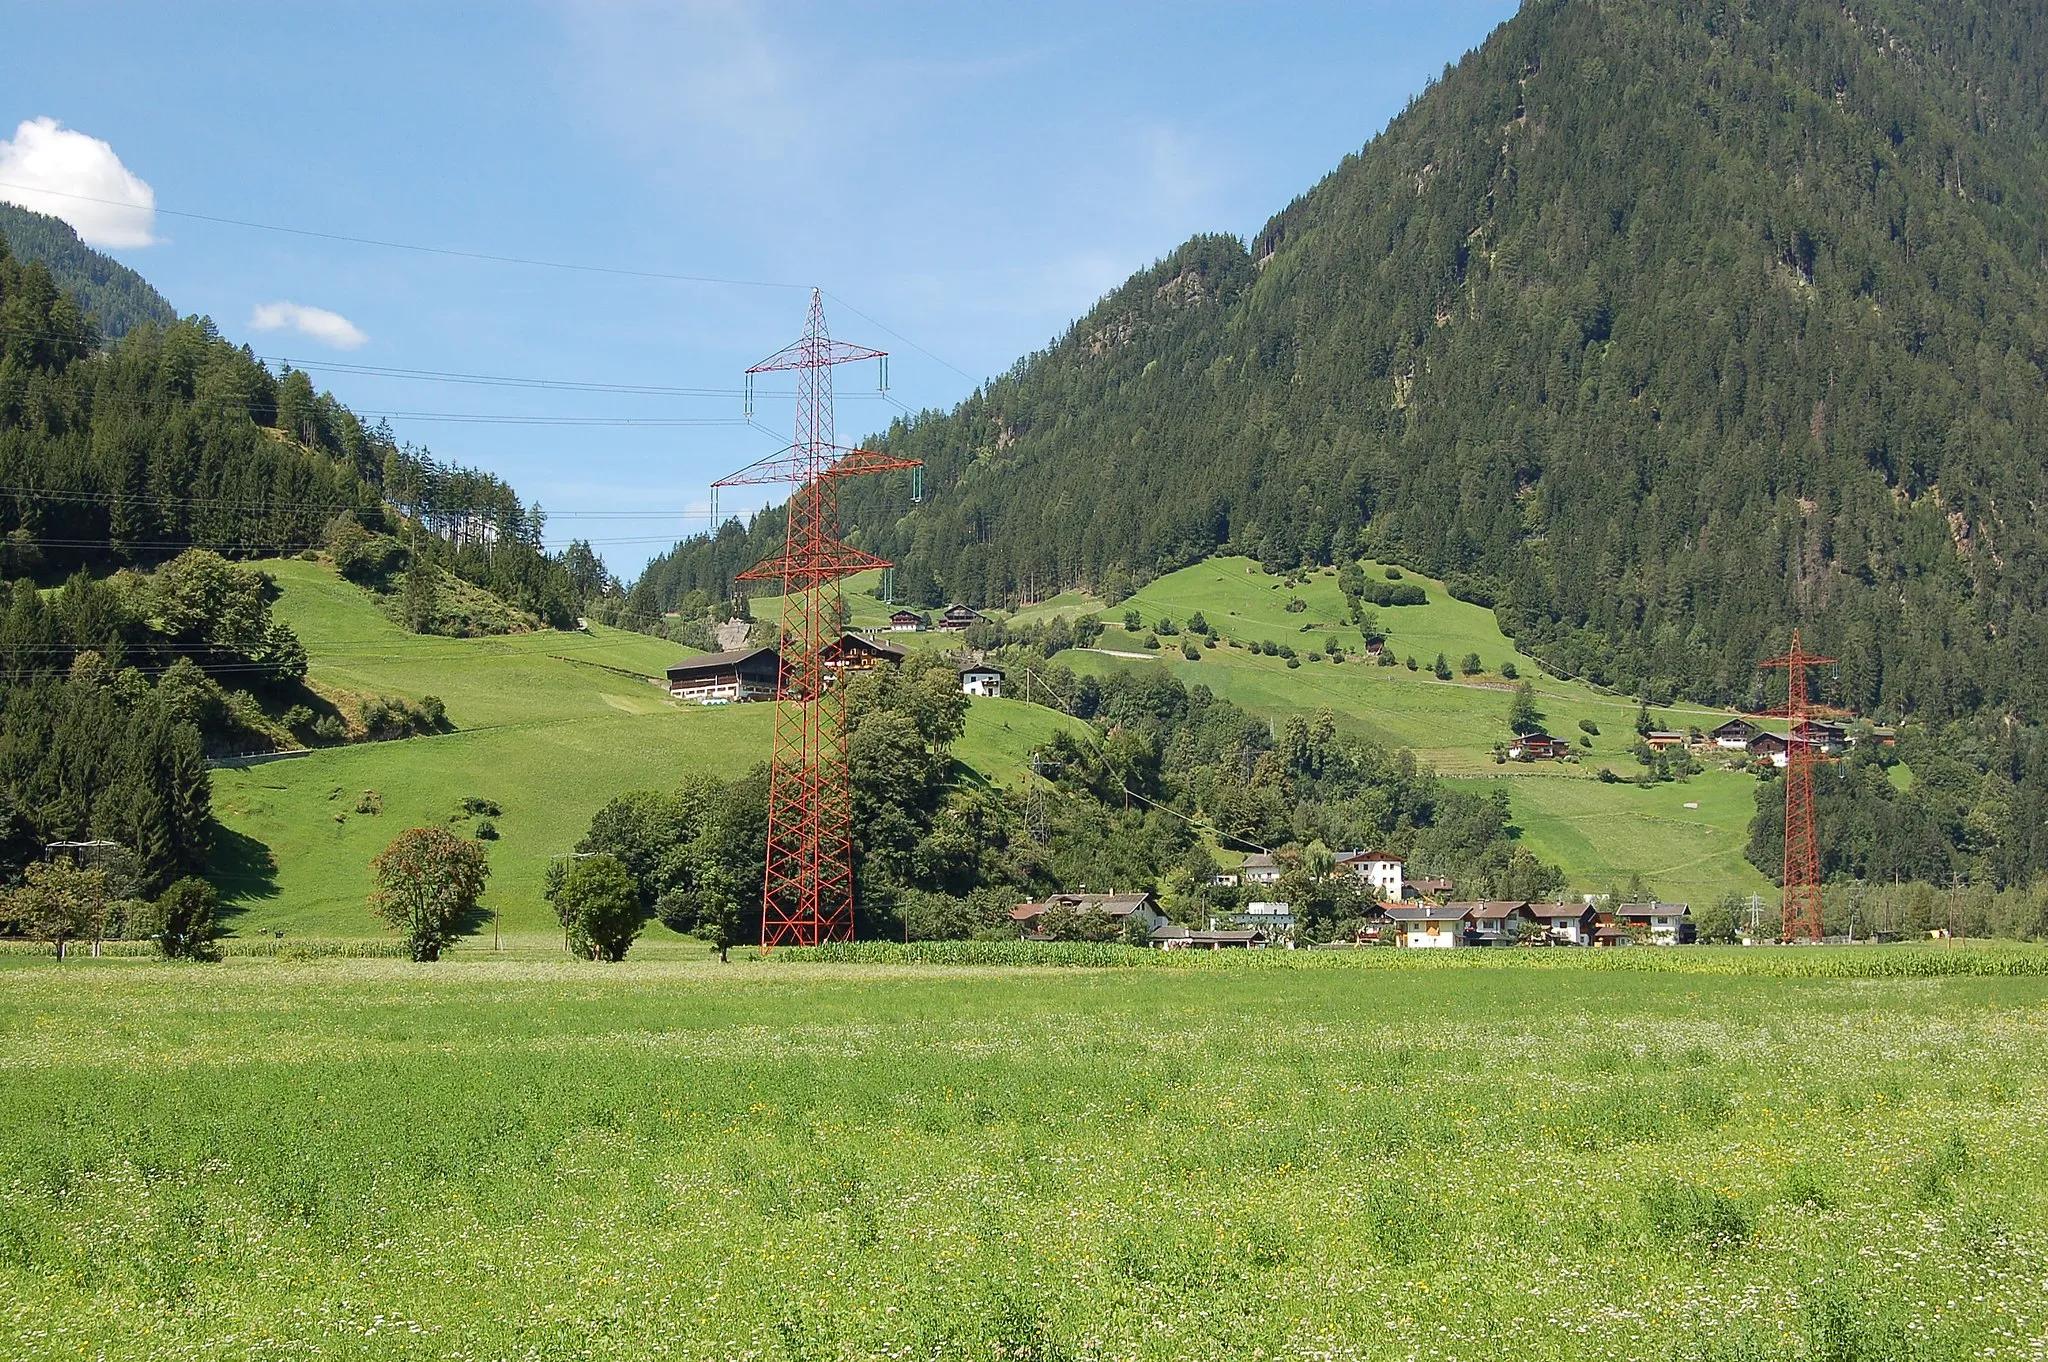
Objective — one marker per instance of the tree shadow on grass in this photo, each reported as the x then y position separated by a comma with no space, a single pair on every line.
243,873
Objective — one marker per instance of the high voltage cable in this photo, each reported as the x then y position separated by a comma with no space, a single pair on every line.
295,546
507,381
284,507
529,261
485,419
504,381
897,334
548,384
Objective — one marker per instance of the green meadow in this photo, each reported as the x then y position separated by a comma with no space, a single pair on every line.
1454,724
1232,1158
547,725
1599,833
550,725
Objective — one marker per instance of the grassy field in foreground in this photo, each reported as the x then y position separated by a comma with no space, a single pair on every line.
368,1159
548,725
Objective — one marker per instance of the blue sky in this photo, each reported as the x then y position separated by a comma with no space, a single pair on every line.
969,177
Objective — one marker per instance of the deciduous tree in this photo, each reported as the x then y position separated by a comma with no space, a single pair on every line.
427,881
599,904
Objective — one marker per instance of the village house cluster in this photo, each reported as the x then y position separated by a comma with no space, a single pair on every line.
1408,914
745,675
1738,735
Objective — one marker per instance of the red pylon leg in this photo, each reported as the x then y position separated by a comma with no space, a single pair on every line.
1802,851
1802,903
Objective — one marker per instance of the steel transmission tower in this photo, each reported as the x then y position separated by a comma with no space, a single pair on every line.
1802,918
807,894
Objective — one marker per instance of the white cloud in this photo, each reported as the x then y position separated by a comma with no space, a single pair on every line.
49,168
315,323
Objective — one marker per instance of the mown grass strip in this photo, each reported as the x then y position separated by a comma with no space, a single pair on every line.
1853,962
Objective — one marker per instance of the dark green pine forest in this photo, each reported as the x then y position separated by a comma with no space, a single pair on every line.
116,298
1661,328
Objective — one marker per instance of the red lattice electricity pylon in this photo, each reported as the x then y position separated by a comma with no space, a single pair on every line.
807,895
1802,838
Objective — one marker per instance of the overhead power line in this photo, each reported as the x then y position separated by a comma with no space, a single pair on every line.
274,507
529,261
507,381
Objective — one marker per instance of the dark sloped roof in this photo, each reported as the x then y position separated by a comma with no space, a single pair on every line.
872,645
713,661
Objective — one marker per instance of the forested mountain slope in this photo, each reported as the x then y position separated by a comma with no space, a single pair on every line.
117,298
1661,327
132,645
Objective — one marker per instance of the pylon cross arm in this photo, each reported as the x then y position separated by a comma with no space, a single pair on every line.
795,466
810,354
831,562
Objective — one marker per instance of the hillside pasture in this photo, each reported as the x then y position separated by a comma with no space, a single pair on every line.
1603,834
1599,833
547,725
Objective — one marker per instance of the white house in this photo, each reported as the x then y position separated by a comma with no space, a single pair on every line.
1172,937
1260,868
981,680
1734,735
1380,869
1570,924
1668,924
1429,926
1270,918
